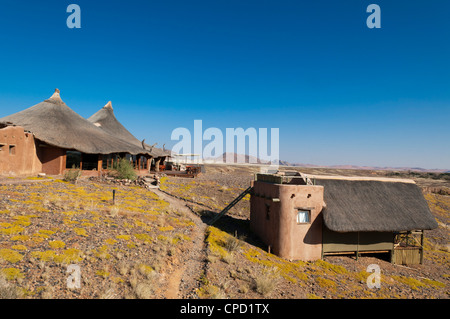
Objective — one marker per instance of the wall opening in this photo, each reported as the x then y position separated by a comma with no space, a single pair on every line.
303,216
12,150
90,162
267,212
73,159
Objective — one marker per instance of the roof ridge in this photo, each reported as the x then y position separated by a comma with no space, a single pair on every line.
55,98
361,178
108,105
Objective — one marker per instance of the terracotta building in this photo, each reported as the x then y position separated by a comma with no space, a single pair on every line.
304,217
18,151
106,120
49,137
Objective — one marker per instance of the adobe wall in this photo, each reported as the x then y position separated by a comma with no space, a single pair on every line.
273,217
30,156
264,213
53,160
22,159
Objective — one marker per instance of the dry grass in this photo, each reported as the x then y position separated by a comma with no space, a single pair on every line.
266,281
8,290
48,225
144,289
126,250
232,244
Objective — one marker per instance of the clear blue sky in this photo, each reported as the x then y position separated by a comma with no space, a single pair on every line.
339,92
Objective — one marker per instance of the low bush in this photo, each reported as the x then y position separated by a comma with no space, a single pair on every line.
266,281
232,244
123,169
8,290
72,175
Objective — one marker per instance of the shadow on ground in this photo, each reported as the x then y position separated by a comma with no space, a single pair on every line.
237,227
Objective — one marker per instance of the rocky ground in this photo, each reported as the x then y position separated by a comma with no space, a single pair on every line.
126,249
153,243
243,268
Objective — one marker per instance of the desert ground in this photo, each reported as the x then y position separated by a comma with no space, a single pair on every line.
156,243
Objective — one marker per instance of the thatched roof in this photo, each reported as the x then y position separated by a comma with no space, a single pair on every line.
54,123
107,121
374,205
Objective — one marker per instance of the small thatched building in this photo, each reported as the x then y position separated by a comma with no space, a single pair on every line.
107,121
50,137
307,217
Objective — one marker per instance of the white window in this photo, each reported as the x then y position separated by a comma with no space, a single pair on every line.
303,216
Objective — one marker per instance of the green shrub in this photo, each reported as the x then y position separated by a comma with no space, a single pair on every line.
123,169
232,244
72,175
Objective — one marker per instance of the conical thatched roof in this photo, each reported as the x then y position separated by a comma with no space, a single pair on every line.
54,123
371,205
107,121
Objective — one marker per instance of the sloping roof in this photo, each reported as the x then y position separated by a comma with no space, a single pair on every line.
374,205
107,121
158,152
54,123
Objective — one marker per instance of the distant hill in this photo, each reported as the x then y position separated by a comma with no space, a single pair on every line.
240,158
373,168
237,158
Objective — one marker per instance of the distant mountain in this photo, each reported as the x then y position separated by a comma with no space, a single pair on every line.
373,168
240,158
236,158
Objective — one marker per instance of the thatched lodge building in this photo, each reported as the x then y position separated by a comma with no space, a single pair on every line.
107,121
50,137
305,217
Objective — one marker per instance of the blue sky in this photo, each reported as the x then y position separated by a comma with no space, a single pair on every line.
339,92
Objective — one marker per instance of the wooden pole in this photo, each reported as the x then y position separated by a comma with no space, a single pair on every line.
321,244
63,163
357,248
421,247
100,165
